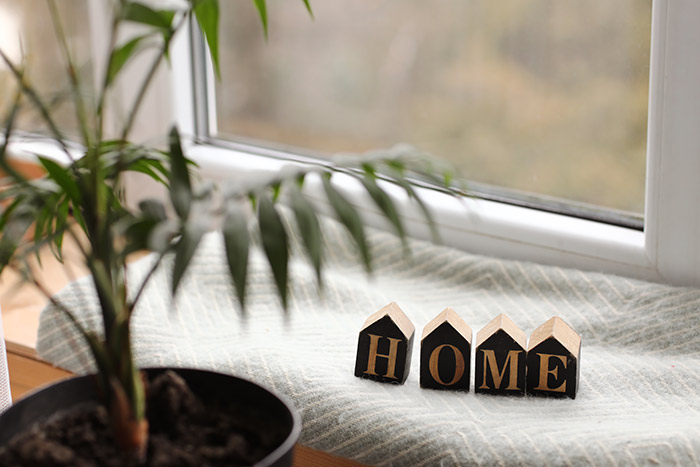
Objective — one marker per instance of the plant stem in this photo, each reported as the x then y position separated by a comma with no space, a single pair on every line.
145,282
72,72
36,100
31,277
9,127
101,103
149,77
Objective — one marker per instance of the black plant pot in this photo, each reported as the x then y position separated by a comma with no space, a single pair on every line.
207,385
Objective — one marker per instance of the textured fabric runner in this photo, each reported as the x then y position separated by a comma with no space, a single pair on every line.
5,396
639,395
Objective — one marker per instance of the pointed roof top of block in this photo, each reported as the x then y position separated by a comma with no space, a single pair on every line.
448,315
393,311
503,322
557,328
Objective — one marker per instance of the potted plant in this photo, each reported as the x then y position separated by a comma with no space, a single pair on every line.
85,200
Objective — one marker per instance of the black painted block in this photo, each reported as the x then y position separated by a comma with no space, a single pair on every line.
385,345
553,355
500,358
445,353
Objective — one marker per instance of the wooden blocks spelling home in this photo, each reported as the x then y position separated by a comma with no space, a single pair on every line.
552,360
500,358
445,352
504,363
384,346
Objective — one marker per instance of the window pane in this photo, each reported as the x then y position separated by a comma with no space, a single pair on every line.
542,96
28,37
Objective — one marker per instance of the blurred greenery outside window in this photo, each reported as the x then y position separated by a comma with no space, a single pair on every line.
545,97
28,36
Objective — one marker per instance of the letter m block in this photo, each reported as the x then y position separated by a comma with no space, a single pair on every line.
384,346
500,358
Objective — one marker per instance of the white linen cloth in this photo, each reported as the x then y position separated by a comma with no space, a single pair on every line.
5,396
639,396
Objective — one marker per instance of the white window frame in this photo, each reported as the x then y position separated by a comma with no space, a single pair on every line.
667,250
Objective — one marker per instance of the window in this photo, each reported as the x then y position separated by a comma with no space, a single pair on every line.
537,96
26,30
668,247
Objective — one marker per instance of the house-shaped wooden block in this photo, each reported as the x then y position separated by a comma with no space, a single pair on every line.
553,360
384,346
500,358
445,352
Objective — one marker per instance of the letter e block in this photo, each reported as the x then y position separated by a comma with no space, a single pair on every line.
445,352
553,360
384,346
500,358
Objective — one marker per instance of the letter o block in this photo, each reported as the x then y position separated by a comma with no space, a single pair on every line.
500,358
445,353
553,360
384,346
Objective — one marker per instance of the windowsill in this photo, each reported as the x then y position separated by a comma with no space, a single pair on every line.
475,225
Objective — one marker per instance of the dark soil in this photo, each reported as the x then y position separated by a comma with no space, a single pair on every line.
183,432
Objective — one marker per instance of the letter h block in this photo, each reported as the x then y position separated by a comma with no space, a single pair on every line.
553,360
445,352
384,346
500,358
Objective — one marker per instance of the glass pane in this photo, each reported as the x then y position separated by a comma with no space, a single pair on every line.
542,96
28,37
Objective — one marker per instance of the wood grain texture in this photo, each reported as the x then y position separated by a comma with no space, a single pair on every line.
307,457
28,374
29,169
